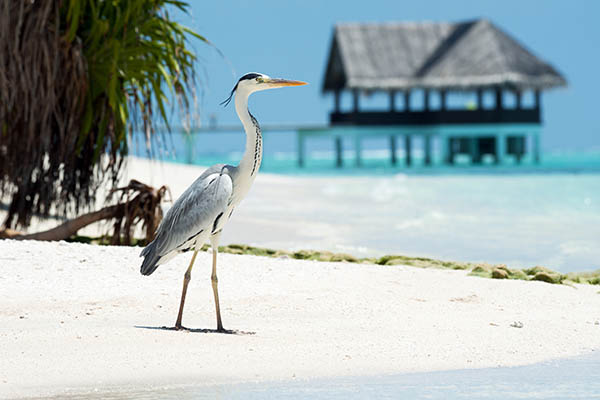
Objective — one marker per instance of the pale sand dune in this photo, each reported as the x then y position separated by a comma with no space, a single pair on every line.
73,318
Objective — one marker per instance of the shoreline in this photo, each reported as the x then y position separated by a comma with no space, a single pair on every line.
483,270
74,317
527,379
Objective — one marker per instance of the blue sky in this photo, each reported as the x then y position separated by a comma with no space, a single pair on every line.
291,39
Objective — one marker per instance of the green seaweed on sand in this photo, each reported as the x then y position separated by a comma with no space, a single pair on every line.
539,273
484,270
498,271
421,262
592,277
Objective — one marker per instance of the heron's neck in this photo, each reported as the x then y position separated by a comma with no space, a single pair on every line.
250,162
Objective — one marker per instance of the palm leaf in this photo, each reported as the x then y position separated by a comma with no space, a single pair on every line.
69,95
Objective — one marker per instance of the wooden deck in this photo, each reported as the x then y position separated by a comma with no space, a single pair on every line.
437,117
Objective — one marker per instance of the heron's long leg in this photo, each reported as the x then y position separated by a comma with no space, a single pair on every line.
186,280
215,283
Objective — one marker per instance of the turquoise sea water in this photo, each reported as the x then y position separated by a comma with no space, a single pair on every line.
577,378
519,215
280,156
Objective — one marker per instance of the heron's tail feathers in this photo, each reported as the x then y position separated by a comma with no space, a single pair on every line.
151,259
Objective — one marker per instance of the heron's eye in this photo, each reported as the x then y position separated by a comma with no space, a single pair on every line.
259,80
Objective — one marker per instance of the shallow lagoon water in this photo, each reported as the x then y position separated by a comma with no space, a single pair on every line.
519,215
577,378
280,155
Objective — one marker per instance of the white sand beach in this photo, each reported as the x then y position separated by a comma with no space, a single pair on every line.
78,317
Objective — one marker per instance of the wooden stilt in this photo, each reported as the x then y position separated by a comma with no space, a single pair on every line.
393,150
338,152
427,145
536,148
357,149
500,148
407,150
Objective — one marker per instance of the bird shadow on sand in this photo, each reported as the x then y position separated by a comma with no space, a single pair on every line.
196,330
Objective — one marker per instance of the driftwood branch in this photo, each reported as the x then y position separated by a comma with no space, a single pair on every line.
138,203
69,228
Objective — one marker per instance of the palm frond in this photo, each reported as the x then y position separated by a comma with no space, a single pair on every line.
75,77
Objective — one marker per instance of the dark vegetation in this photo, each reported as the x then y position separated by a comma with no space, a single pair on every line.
76,77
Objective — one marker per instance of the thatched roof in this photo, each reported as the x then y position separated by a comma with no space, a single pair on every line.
464,55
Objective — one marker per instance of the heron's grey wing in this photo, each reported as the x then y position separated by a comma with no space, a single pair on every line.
194,213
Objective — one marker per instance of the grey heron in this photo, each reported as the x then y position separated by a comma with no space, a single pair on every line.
202,211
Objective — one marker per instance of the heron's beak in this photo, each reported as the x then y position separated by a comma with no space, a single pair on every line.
275,83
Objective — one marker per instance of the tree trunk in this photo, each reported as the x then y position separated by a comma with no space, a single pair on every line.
69,228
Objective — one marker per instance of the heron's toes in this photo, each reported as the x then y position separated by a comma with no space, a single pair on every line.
176,328
233,332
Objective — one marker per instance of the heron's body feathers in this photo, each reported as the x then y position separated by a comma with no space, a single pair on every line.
199,212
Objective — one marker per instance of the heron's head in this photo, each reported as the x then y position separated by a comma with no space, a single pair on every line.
253,82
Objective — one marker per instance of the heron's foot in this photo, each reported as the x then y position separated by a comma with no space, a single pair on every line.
176,328
200,330
233,331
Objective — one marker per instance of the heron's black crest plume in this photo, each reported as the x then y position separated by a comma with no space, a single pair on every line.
251,75
226,102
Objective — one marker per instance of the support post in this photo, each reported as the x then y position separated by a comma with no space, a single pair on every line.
407,150
338,152
450,150
426,100
538,103
499,98
300,148
392,100
536,148
480,99
336,100
407,100
444,149
355,104
394,160
427,145
443,100
474,150
357,150
519,147
500,148
518,99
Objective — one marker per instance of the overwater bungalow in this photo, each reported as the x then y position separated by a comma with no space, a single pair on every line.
441,64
